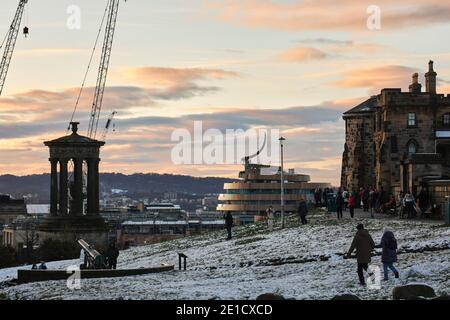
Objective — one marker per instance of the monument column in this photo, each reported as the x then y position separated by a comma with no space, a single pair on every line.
92,186
63,190
78,186
54,187
97,187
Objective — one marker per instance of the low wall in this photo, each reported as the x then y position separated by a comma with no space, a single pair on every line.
28,276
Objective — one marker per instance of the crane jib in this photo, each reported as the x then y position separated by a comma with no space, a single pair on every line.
11,39
103,68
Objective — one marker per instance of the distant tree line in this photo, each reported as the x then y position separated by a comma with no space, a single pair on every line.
38,186
49,250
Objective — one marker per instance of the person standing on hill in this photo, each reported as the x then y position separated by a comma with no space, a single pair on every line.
270,218
364,245
339,205
112,255
351,205
410,202
303,211
424,202
229,224
345,195
389,254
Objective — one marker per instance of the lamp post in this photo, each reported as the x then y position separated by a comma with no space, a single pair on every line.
282,180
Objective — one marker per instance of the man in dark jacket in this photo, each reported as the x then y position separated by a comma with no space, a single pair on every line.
228,224
423,202
112,254
303,211
364,245
339,204
389,254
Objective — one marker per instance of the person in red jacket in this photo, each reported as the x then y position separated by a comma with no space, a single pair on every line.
351,205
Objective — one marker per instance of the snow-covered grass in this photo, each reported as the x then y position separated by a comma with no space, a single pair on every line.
301,262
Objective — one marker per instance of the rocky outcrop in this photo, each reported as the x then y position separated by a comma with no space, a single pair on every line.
346,296
414,291
270,297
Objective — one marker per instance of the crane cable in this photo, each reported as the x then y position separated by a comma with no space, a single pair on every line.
89,66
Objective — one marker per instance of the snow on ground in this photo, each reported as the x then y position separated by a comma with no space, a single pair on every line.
301,262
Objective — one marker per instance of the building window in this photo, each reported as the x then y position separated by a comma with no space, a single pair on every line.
412,119
446,120
412,147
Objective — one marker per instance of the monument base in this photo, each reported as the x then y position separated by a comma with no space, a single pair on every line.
92,229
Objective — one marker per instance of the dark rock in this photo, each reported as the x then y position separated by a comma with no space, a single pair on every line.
270,297
413,292
346,296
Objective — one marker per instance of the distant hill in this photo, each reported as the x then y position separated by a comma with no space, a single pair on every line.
38,186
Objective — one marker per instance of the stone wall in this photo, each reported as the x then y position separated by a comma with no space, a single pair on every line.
358,157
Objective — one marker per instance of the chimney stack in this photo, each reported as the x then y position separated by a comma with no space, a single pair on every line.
430,78
415,87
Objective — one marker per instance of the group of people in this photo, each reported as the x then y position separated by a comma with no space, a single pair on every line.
270,217
110,261
42,266
364,245
410,206
379,201
321,197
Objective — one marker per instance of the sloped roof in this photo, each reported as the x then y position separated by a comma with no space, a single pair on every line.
74,138
367,106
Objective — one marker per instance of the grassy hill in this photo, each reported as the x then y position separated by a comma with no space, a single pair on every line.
301,262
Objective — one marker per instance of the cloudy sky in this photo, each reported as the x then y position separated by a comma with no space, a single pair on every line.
287,64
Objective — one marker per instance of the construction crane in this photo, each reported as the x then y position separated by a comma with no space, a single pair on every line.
113,9
10,40
108,125
247,159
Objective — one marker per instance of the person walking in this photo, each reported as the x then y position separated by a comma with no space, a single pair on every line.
345,195
409,204
351,205
112,254
339,205
317,197
303,211
373,201
228,224
364,245
365,199
270,213
382,199
389,254
401,204
325,197
423,202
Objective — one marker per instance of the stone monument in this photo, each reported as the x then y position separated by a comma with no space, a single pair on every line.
69,219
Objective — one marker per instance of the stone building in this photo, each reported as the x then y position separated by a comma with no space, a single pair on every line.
10,209
400,140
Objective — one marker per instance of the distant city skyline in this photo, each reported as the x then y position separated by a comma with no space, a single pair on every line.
288,65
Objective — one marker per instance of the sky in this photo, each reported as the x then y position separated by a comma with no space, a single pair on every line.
294,66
